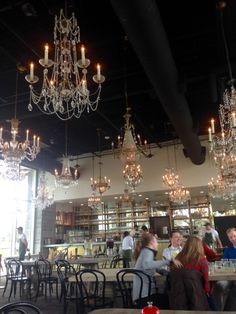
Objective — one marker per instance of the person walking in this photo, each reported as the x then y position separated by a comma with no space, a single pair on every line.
23,243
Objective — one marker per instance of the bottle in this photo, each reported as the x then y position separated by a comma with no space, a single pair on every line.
150,309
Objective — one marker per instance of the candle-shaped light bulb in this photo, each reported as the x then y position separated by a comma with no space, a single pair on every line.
1,133
46,54
27,135
234,119
83,55
38,138
98,72
34,140
84,87
210,135
31,71
212,126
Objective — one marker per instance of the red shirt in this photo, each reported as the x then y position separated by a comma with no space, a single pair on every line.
202,267
210,254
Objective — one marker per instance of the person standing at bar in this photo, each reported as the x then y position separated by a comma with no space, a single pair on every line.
23,243
127,247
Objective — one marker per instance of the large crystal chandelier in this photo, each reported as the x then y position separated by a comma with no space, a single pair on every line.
13,151
179,195
66,178
65,90
45,197
222,146
220,188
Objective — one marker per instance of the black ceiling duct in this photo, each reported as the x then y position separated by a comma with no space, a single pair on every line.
143,25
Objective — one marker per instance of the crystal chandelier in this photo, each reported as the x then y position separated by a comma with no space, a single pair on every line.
219,188
65,90
101,184
66,178
130,147
179,195
222,146
45,197
14,152
170,179
132,175
13,172
94,201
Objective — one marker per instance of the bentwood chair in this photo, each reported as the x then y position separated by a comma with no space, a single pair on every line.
119,262
45,279
69,288
18,276
93,292
20,307
125,285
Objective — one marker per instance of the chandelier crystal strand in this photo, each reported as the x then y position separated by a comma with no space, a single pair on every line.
65,90
170,179
94,201
45,197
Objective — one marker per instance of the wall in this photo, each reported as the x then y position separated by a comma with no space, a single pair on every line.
191,175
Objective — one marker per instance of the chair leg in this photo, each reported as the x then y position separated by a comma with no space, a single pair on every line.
5,287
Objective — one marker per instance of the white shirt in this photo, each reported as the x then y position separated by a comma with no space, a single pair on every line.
128,243
170,252
214,233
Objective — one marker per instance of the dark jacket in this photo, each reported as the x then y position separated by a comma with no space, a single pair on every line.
186,290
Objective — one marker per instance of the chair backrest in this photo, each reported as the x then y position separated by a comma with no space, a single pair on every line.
64,271
20,307
44,269
118,261
126,278
92,294
102,264
14,268
62,262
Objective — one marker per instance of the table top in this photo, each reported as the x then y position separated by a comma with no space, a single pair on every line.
138,311
110,274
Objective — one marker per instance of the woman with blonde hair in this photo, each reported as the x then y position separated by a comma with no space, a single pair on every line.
189,286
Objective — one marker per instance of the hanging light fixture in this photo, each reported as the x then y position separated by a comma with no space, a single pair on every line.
179,195
223,145
170,179
45,197
66,179
132,175
14,152
130,147
219,188
65,90
94,201
101,184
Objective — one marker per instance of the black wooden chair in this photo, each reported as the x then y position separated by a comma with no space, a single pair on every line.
45,278
93,293
102,264
125,279
20,307
8,273
69,289
18,276
119,262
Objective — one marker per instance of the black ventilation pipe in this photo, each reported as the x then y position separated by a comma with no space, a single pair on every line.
142,23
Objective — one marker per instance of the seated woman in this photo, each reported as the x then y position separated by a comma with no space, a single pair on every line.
145,253
189,286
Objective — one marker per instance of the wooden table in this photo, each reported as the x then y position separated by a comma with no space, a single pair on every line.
89,262
138,311
110,274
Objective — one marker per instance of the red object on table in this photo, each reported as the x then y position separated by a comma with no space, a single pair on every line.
150,309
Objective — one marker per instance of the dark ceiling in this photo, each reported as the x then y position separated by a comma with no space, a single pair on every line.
124,38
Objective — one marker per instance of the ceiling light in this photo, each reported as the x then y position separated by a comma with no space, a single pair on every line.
65,90
45,197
